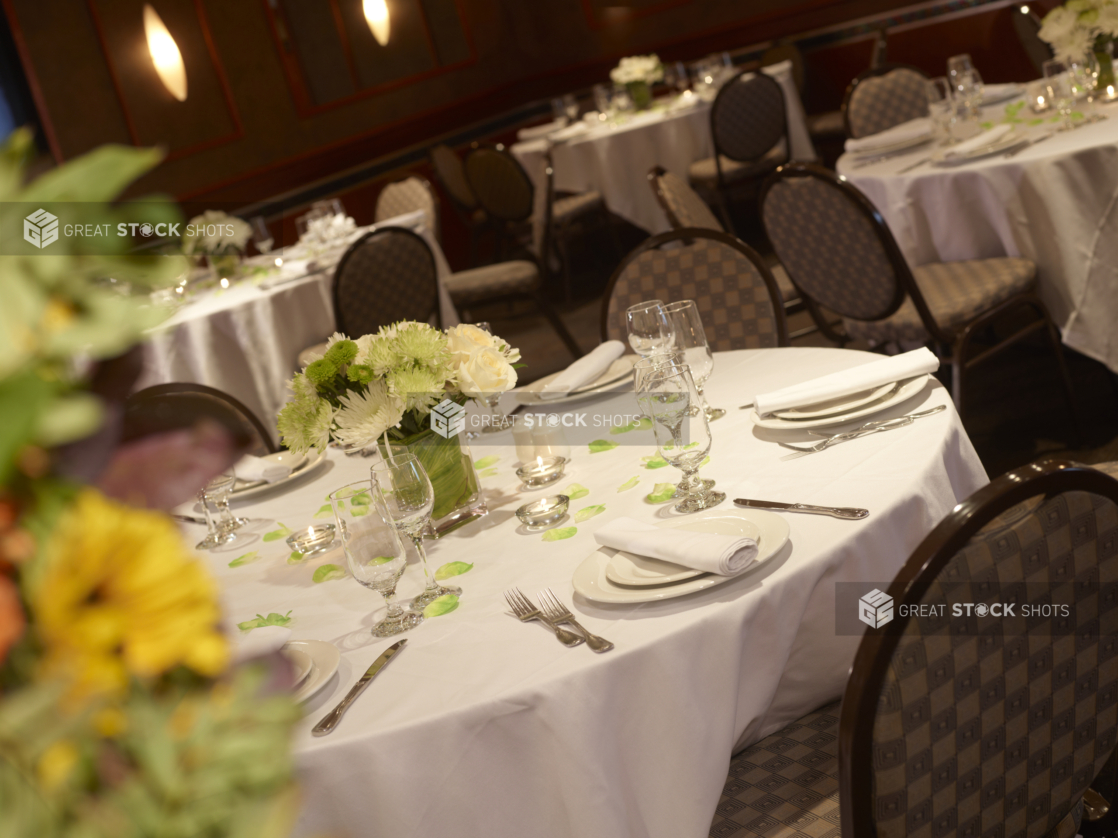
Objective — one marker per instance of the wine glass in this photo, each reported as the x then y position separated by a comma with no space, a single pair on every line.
603,100
941,106
1060,93
261,235
374,554
558,110
225,518
957,65
682,439
675,74
622,102
691,340
1082,80
409,499
216,491
500,422
650,330
570,106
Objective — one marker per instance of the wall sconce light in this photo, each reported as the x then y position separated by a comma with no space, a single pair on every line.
376,15
165,54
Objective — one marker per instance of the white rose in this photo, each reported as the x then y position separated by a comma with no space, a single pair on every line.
463,339
486,372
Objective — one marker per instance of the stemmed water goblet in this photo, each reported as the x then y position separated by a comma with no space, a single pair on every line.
941,107
650,329
691,340
219,531
409,499
374,554
1060,93
682,439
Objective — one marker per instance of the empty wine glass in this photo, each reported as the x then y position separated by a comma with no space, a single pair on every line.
941,106
691,340
261,235
570,106
409,499
650,330
957,65
225,517
216,492
374,554
681,439
1082,79
675,74
603,100
500,422
622,102
1060,94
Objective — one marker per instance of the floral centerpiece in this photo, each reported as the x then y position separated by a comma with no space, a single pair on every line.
638,73
121,715
1084,27
384,386
219,237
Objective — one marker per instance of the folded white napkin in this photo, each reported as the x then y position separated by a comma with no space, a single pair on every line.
252,469
981,141
570,132
541,130
998,92
726,555
914,128
845,383
258,642
584,370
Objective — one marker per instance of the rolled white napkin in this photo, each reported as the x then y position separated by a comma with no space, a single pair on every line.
981,141
252,469
920,127
845,383
258,642
540,130
584,370
726,555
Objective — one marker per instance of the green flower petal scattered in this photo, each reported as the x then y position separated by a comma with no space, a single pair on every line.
559,534
661,493
361,499
295,557
245,559
380,560
489,472
486,462
642,424
328,572
600,445
452,569
628,484
358,511
704,462
260,621
576,491
655,461
327,511
443,605
589,512
275,535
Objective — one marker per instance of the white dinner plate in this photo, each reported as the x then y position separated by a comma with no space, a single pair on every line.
1007,142
301,664
614,378
907,390
324,659
244,489
590,578
893,148
640,571
989,98
831,407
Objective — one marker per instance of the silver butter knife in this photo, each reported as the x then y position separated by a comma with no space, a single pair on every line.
847,512
331,719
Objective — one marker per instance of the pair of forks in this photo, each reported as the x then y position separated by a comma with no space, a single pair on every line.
553,614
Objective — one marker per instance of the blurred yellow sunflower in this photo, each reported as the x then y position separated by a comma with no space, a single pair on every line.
120,595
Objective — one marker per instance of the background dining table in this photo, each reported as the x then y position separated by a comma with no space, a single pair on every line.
487,727
245,340
1055,203
615,159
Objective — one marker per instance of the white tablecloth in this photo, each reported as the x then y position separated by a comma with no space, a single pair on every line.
1056,204
246,340
615,161
486,727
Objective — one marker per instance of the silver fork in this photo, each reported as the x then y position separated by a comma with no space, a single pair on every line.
557,612
524,610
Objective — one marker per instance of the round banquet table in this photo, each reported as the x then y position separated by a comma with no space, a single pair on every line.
1055,203
246,340
615,160
483,726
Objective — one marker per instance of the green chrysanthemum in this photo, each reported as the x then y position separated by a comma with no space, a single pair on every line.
322,372
423,345
360,374
377,353
418,387
342,352
304,423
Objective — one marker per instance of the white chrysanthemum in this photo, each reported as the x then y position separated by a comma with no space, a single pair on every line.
377,353
1108,19
304,423
646,68
418,387
364,416
425,345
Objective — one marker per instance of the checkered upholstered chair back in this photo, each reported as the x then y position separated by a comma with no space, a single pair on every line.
877,102
452,175
827,237
991,725
681,203
734,290
164,408
747,117
385,276
408,195
500,183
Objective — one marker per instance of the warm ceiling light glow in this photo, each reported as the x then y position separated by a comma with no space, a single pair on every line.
376,14
1024,10
165,54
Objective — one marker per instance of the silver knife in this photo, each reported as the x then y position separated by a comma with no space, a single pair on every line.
847,512
331,719
1027,144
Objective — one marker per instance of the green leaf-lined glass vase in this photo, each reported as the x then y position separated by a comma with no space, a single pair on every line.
1104,57
641,94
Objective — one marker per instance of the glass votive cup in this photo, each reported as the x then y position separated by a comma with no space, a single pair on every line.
541,471
543,512
317,538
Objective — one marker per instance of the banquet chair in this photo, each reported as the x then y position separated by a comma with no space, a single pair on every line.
882,97
452,176
408,194
964,725
840,254
735,292
748,127
162,408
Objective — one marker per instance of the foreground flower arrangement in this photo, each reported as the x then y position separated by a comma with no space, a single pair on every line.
638,73
120,713
1081,27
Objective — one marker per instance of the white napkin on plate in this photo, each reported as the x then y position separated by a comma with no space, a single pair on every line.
845,383
984,139
258,642
999,92
726,555
252,469
584,370
919,127
537,131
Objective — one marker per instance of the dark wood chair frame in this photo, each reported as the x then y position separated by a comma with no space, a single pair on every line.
871,662
464,212
158,391
687,235
872,72
955,350
400,177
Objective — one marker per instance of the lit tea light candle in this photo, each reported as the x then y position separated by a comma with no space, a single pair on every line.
279,262
314,539
543,512
224,282
543,471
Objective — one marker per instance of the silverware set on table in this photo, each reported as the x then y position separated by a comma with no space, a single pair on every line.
554,614
865,430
